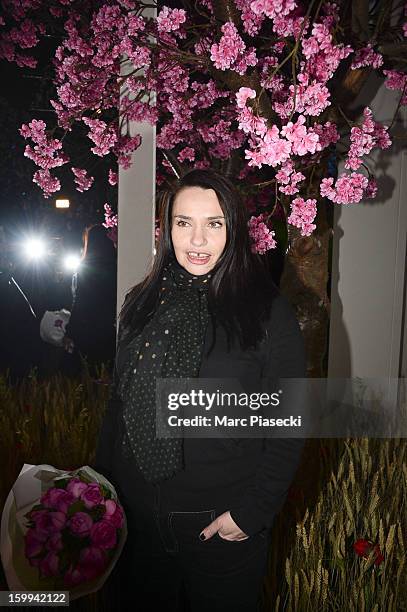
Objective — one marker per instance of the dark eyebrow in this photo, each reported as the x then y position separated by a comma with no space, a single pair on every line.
209,218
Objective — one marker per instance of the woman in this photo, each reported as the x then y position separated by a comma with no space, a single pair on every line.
199,510
91,328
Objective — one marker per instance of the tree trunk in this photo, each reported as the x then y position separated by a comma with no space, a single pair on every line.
304,282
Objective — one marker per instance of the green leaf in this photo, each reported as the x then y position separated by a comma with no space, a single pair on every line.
61,484
84,477
77,506
34,509
105,492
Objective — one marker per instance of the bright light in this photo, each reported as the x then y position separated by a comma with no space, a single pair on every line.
72,262
35,248
62,203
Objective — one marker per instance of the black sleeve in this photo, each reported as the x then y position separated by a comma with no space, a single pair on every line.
281,456
108,434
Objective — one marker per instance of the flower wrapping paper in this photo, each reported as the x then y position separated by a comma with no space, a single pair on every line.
32,482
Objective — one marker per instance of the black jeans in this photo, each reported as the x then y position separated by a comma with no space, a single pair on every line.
165,566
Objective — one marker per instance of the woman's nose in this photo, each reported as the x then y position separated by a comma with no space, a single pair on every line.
198,237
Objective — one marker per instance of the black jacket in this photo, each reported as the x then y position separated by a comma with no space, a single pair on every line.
248,476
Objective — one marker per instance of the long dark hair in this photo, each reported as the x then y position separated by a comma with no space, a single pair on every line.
240,292
97,246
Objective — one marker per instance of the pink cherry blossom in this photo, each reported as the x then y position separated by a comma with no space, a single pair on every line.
367,57
302,215
310,98
303,141
187,153
47,153
243,95
288,178
110,218
124,148
398,81
364,138
169,20
111,224
206,94
273,8
251,21
103,136
47,182
113,177
262,237
175,79
250,123
327,133
83,182
348,189
271,149
371,188
231,51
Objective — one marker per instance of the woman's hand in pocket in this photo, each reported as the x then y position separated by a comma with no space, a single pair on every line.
225,527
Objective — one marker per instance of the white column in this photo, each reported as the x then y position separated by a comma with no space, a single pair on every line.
136,209
136,214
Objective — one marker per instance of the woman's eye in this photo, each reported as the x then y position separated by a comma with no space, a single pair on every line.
216,224
181,223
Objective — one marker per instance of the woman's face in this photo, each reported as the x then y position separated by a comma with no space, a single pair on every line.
198,229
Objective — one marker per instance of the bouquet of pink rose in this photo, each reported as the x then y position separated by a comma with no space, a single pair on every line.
61,530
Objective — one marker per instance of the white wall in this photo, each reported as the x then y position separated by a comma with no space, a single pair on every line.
369,253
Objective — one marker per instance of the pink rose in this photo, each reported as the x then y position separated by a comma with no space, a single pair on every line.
54,543
33,544
80,524
103,534
73,576
92,496
49,565
38,516
76,487
114,513
49,498
92,562
58,499
49,523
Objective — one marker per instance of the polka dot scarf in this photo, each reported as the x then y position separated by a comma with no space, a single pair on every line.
170,346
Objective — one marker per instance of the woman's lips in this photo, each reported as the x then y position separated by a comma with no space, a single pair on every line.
200,261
